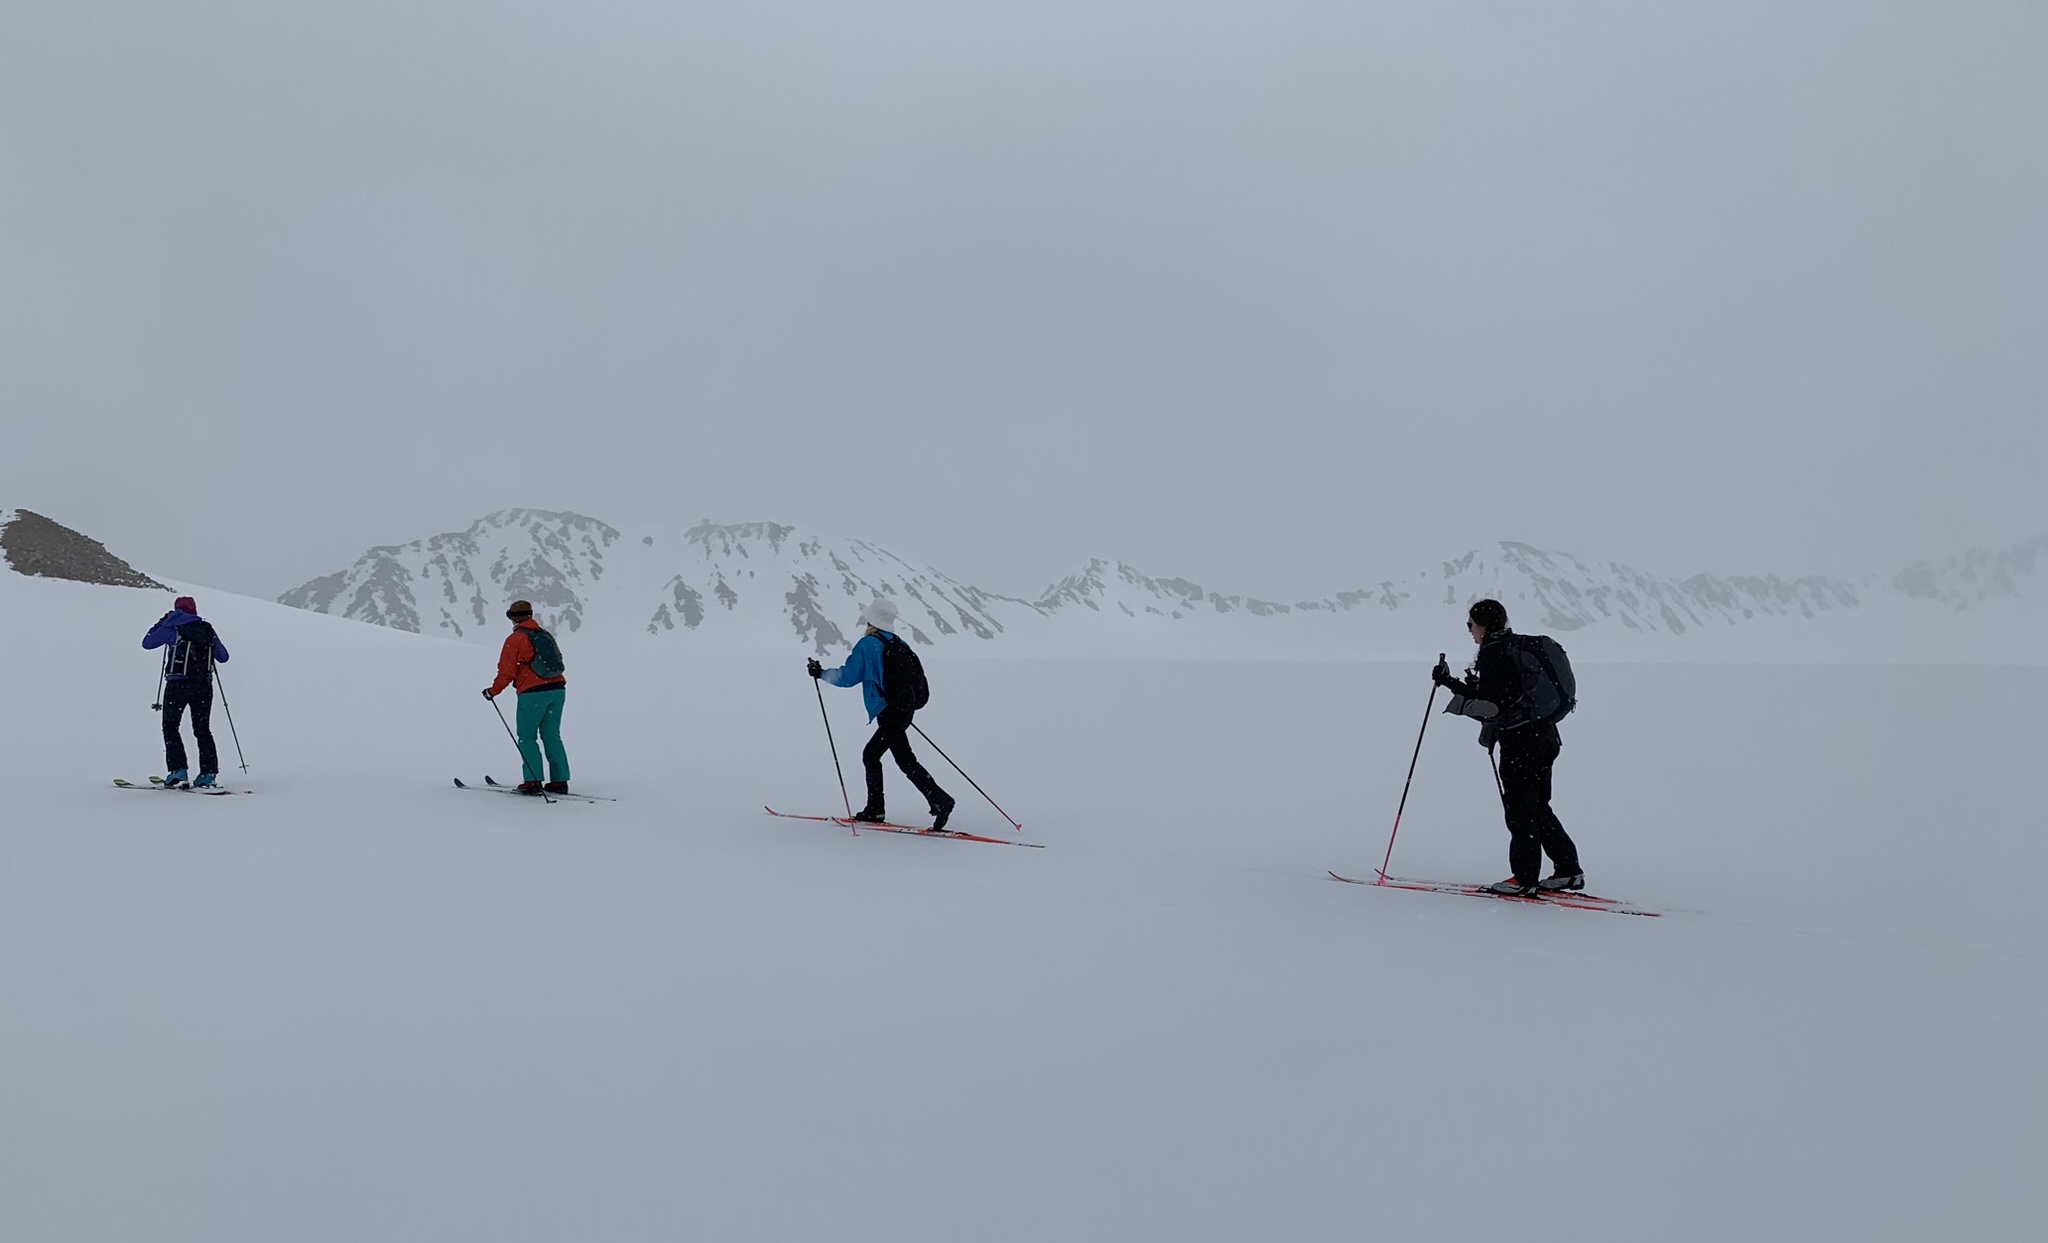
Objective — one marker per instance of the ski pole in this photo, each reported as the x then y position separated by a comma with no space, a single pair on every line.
161,669
1411,778
515,742
970,781
508,728
843,796
230,712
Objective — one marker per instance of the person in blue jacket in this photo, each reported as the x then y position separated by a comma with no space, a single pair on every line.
863,668
191,650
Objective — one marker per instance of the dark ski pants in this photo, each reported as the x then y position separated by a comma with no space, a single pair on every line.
1525,796
892,734
197,693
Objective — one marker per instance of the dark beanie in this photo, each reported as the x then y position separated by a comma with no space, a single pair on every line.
1490,614
186,604
520,608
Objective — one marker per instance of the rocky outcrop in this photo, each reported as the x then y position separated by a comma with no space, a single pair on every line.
36,546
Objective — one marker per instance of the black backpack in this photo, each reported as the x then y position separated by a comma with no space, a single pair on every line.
192,655
547,655
903,684
1549,691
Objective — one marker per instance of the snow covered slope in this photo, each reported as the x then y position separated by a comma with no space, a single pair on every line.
361,1004
766,587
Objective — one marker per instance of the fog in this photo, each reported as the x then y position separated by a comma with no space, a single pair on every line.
1287,295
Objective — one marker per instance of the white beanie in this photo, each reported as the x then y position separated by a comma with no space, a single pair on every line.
880,614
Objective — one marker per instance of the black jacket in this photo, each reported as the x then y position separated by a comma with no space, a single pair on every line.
1497,679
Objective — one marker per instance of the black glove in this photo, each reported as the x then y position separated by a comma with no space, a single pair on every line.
815,669
1441,675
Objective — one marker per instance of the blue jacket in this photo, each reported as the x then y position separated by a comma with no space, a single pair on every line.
863,668
166,632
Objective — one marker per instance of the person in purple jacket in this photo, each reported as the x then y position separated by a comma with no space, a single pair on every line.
191,649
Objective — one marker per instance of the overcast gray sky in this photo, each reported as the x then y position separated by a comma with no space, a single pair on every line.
1277,294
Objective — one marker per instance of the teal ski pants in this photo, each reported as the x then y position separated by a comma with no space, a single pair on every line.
540,717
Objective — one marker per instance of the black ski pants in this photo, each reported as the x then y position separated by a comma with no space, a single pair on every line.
892,734
1534,829
196,693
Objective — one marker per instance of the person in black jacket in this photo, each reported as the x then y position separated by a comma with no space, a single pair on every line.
1528,749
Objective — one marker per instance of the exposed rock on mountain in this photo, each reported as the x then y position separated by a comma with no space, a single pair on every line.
763,585
462,581
35,545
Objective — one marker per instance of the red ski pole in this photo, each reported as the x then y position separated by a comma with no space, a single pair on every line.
1431,707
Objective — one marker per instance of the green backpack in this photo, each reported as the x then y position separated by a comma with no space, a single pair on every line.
547,655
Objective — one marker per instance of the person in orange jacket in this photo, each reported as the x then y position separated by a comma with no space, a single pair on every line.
531,661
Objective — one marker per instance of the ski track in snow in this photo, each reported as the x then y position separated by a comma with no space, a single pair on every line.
367,1005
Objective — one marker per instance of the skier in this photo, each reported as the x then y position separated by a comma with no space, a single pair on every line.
192,648
1528,749
864,668
531,660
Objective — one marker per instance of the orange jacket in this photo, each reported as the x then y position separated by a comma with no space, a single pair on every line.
515,660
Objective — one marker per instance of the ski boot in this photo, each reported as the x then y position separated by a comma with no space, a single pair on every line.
1557,882
942,810
871,815
530,787
556,787
175,779
203,780
1512,888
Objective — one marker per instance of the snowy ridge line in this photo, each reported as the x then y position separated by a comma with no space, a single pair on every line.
770,586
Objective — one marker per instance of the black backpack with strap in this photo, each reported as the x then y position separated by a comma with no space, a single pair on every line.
1549,691
903,684
192,655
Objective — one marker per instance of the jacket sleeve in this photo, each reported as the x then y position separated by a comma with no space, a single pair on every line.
1499,679
518,650
862,665
161,633
220,650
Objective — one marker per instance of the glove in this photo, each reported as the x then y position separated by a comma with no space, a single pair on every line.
1488,733
487,693
1441,675
815,669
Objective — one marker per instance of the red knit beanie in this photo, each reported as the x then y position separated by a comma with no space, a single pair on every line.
185,604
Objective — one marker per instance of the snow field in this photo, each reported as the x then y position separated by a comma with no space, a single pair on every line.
362,1004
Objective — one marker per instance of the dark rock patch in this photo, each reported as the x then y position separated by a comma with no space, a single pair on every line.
36,546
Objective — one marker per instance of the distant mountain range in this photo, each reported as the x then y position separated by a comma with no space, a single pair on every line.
769,587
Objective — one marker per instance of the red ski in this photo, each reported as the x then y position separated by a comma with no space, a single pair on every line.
1577,901
885,827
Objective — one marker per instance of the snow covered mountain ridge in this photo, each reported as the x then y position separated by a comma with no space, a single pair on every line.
765,586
